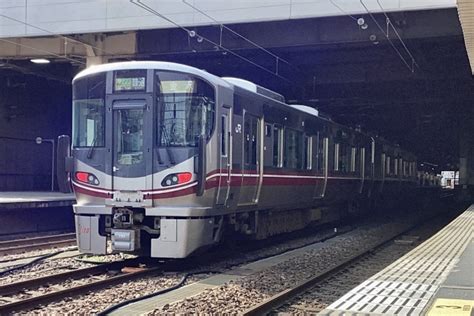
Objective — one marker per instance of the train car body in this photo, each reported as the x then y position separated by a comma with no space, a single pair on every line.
168,159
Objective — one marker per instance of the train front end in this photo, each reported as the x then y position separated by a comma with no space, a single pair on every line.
140,133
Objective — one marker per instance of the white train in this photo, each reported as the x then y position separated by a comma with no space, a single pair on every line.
168,159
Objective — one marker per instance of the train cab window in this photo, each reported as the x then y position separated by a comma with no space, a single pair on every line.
89,111
129,136
308,152
277,146
186,109
293,149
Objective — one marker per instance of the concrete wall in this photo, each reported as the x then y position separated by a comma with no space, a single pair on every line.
85,16
30,107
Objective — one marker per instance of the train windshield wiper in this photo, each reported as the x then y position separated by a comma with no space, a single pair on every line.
91,149
165,137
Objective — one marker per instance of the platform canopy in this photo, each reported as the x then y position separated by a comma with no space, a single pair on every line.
466,16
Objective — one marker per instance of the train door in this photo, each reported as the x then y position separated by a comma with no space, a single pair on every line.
322,159
131,144
251,172
225,155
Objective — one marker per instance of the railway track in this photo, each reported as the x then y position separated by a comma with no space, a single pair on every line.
272,304
29,293
17,246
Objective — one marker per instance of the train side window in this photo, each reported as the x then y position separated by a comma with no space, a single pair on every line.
320,153
368,162
395,166
224,134
277,146
387,168
308,152
353,159
293,150
344,158
268,130
382,165
336,156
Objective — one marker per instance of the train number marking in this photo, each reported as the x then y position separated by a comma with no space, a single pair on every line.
84,230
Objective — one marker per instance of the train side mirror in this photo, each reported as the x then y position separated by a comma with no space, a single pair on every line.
200,165
65,164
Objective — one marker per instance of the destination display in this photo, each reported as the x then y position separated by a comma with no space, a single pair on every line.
177,86
129,84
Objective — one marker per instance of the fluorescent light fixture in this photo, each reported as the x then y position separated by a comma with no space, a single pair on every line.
40,61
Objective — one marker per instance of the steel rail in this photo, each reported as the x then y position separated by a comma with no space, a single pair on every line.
28,241
21,245
29,302
283,297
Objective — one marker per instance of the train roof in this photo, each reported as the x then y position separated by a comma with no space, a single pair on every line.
249,85
162,65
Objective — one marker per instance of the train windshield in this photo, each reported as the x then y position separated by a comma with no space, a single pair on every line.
186,107
89,111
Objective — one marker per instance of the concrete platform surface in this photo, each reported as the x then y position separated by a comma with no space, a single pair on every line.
27,199
436,278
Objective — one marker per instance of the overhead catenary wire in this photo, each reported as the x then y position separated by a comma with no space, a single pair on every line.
389,21
410,67
147,8
278,59
342,10
413,61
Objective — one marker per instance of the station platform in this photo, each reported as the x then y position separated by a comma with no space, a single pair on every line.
434,279
25,199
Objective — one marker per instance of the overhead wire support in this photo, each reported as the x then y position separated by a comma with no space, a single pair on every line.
147,8
413,62
42,51
66,39
389,22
